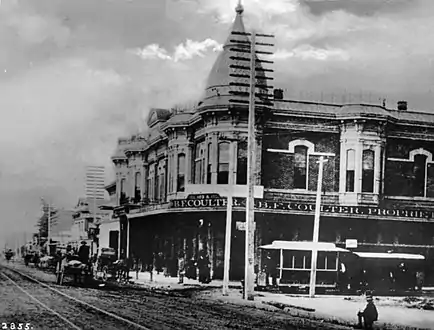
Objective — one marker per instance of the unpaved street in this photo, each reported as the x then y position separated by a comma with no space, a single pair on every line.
150,309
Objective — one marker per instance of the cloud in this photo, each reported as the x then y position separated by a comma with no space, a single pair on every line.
183,51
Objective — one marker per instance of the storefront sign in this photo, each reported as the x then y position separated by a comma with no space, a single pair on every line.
203,196
261,204
351,243
242,225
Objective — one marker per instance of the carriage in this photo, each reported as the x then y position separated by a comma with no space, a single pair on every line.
69,265
108,267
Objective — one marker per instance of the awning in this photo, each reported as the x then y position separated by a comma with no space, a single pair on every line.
302,246
378,255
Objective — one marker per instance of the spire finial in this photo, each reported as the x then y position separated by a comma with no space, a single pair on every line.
239,9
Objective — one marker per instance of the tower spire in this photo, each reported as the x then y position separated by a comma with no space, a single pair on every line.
239,9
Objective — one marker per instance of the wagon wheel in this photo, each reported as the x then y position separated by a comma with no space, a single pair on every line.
105,272
123,277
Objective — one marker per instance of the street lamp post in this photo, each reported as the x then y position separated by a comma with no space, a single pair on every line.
316,228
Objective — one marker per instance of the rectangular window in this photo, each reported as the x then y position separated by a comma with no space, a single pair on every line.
181,173
123,193
351,164
199,162
242,163
368,171
300,167
151,177
223,163
209,165
137,190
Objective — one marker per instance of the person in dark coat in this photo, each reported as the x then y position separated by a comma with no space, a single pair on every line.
369,314
83,253
271,269
203,265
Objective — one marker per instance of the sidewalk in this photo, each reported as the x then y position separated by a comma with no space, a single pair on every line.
163,282
394,312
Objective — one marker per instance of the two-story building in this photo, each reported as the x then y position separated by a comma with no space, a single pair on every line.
378,183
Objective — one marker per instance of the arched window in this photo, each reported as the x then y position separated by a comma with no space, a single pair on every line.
209,166
137,190
181,173
351,165
223,163
419,175
242,163
368,171
300,167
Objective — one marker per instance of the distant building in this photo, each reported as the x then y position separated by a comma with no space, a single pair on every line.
94,183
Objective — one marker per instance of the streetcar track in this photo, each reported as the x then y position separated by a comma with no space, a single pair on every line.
41,303
78,301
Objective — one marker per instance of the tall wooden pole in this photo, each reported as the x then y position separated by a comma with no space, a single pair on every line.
228,235
251,159
316,229
48,228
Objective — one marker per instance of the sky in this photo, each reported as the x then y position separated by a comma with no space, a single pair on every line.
77,75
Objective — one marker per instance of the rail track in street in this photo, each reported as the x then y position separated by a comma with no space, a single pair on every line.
59,309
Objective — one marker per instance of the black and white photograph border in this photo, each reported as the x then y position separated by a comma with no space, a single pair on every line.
203,164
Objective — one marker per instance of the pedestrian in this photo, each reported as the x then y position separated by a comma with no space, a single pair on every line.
181,267
83,253
271,266
369,315
204,268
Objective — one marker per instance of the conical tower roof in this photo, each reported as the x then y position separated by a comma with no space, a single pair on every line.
217,85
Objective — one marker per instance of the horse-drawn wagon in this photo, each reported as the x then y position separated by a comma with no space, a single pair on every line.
69,265
108,267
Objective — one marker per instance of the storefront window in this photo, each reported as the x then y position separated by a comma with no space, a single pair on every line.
223,163
368,171
151,177
351,163
300,167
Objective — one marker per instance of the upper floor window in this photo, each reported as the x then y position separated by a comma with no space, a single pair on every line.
199,164
223,163
300,167
150,181
351,166
413,177
123,193
161,185
368,171
137,187
242,163
181,173
209,166
419,175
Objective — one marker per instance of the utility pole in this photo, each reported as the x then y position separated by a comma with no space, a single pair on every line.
48,229
316,228
249,47
228,235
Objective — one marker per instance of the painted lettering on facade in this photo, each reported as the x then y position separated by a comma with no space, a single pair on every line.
261,204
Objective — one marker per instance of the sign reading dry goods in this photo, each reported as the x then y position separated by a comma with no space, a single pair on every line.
261,204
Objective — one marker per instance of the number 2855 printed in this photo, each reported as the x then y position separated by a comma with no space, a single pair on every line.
16,326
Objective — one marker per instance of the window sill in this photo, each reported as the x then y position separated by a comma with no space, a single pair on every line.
298,191
408,198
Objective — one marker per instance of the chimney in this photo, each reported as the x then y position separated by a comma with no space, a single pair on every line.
278,94
402,105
